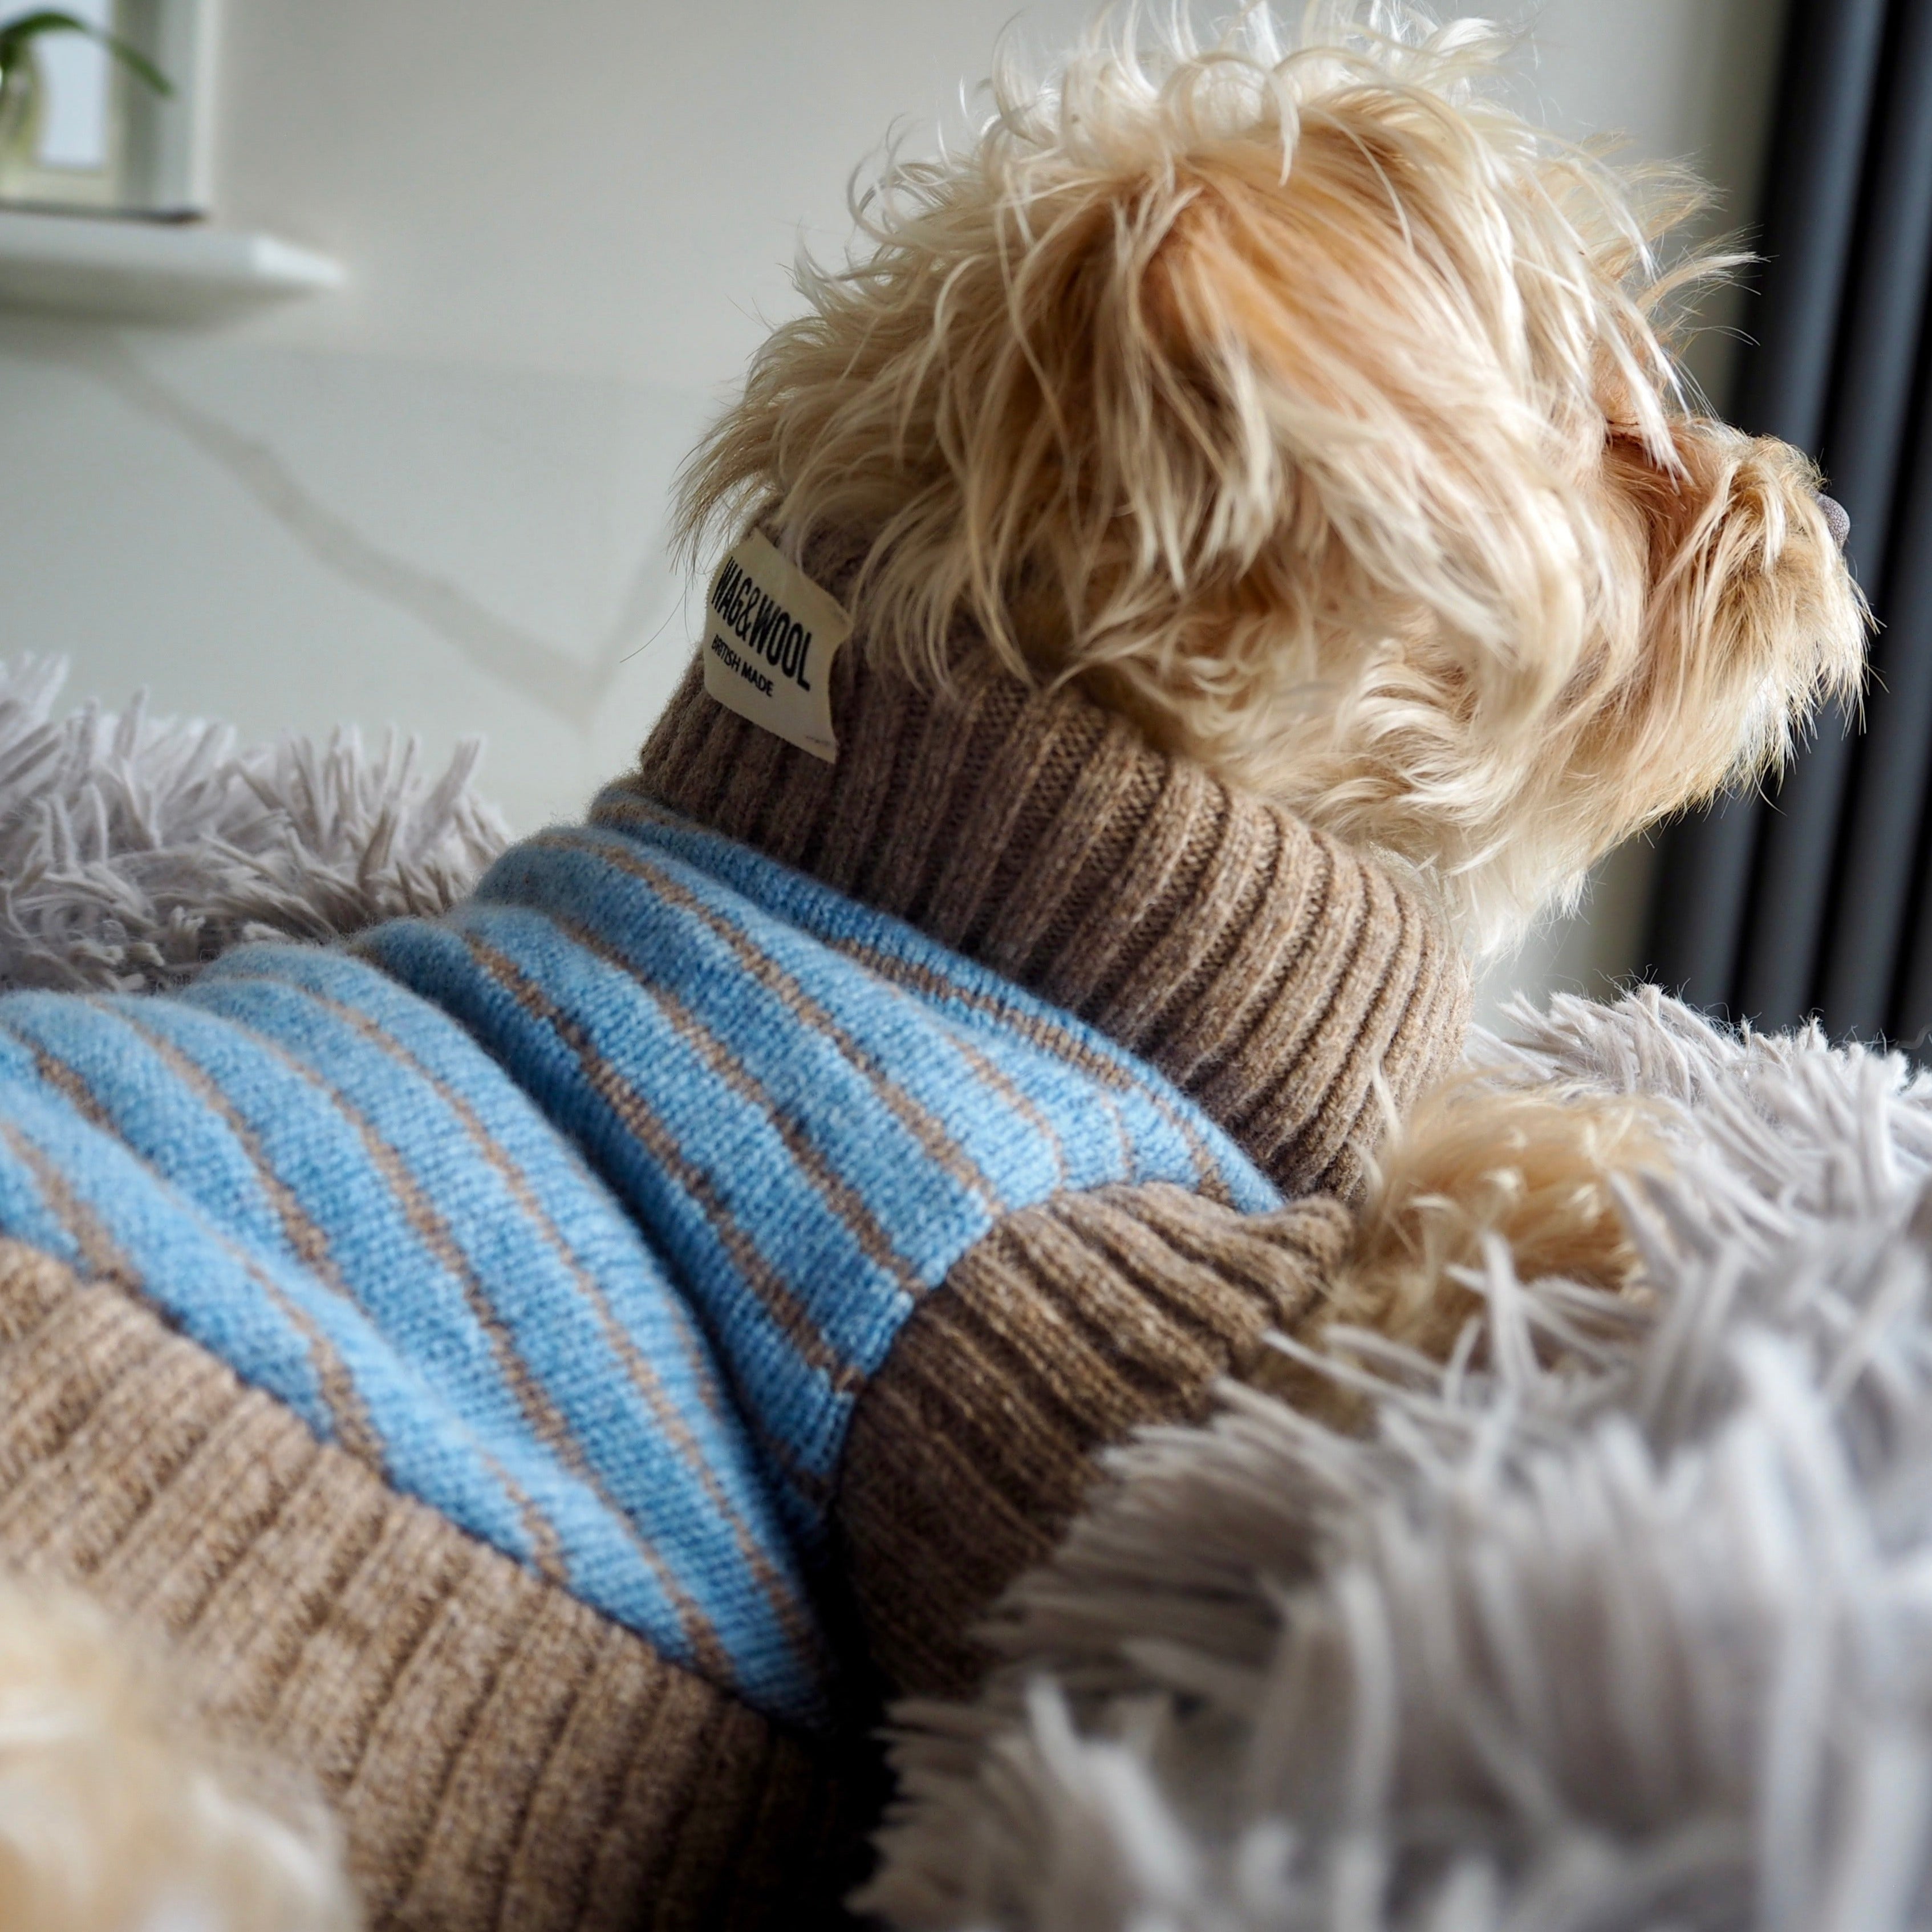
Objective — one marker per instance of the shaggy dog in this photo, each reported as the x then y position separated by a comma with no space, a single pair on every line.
1318,413
1314,413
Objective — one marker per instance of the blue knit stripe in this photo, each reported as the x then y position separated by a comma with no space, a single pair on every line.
655,1357
387,1254
1220,1170
798,993
113,1170
945,980
41,1209
37,1206
574,1396
881,1093
800,1014
783,1370
169,1251
1133,1133
720,1130
793,1010
637,1296
990,1007
104,1062
371,1003
660,1554
602,1244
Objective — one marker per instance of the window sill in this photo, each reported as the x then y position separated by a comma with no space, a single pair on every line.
149,271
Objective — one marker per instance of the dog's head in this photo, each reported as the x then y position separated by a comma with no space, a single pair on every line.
1309,408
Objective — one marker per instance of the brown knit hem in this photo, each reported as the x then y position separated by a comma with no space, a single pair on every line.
499,1754
1069,1326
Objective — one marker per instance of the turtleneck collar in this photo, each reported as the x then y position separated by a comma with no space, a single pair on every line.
1271,972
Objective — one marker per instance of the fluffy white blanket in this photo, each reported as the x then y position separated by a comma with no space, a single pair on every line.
133,849
1623,1621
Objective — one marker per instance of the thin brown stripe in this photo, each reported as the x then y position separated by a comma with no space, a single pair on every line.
99,1252
990,1075
356,1429
1064,1046
939,1146
70,1086
311,1245
794,1319
792,1616
545,1420
1040,1033
695,1357
353,1426
104,1261
844,1201
546,1546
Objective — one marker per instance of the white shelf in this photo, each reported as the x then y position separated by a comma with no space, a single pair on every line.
150,271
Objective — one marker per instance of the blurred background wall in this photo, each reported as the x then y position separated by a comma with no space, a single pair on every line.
437,498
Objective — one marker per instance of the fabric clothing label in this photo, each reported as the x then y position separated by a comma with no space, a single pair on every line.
770,634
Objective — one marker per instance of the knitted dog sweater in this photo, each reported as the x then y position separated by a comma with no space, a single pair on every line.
541,1361
583,1214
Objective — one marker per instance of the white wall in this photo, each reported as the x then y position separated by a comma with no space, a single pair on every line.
438,497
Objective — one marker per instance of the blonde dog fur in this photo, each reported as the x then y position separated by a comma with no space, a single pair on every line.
119,1814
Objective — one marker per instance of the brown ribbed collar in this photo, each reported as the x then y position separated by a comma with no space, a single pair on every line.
1266,969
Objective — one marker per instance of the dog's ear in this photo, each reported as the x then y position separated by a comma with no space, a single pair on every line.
1300,341
1332,460
1386,356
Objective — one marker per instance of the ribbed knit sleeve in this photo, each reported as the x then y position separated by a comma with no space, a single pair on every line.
1072,1324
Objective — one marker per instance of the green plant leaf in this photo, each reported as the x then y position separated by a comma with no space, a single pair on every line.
18,35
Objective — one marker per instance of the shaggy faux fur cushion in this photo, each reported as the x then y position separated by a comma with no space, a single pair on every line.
134,849
1624,1620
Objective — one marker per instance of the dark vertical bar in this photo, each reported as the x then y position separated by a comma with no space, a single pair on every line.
1699,909
1697,902
1880,859
1912,1008
1810,246
1882,366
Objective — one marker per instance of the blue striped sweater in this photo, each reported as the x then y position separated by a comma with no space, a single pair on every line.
585,1212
